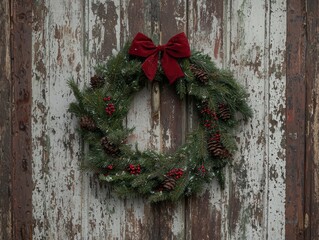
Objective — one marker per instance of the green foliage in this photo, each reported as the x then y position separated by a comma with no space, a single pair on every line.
132,172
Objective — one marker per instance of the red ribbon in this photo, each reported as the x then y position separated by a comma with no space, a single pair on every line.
176,47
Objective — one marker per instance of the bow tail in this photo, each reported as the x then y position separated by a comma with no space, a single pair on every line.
150,66
171,68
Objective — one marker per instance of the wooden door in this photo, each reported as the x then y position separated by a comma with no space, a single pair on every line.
270,189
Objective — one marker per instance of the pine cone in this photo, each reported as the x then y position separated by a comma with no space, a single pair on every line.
97,81
109,147
224,112
217,149
87,123
200,74
169,184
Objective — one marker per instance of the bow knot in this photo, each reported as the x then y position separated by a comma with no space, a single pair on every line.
176,47
161,48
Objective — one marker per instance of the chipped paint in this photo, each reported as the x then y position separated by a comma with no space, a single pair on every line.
69,39
255,43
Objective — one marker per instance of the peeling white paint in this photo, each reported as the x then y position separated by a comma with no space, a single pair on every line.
69,204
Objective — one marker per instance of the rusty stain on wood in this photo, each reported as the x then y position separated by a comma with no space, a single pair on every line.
5,122
296,126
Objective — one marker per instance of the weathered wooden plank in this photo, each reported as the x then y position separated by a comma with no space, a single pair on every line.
5,122
250,50
103,214
161,221
311,223
275,121
40,109
246,56
144,116
69,40
204,213
169,218
21,155
295,114
58,55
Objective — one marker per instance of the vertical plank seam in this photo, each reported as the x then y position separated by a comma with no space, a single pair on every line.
267,111
230,9
84,198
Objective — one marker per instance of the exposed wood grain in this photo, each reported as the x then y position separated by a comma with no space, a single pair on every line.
275,84
204,214
252,47
170,218
21,120
311,223
247,58
103,214
5,122
58,55
40,109
70,38
295,114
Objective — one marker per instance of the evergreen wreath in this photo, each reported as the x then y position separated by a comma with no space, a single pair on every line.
103,106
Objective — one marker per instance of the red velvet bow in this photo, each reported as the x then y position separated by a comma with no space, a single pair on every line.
176,47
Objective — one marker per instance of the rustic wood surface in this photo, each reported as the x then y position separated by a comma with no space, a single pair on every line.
69,38
21,128
255,50
296,125
311,224
5,122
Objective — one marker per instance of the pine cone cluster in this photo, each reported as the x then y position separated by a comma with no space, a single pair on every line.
169,184
87,123
97,81
200,74
224,112
109,147
217,149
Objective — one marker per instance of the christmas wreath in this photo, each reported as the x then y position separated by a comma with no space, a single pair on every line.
103,106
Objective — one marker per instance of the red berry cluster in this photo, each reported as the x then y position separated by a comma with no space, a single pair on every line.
210,113
215,137
134,170
202,170
210,118
108,98
110,108
108,168
176,173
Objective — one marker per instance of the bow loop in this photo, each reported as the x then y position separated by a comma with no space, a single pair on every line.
176,47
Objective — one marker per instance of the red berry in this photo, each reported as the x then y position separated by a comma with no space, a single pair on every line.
110,167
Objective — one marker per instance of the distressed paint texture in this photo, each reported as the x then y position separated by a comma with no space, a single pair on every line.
57,56
204,214
255,51
69,38
5,121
